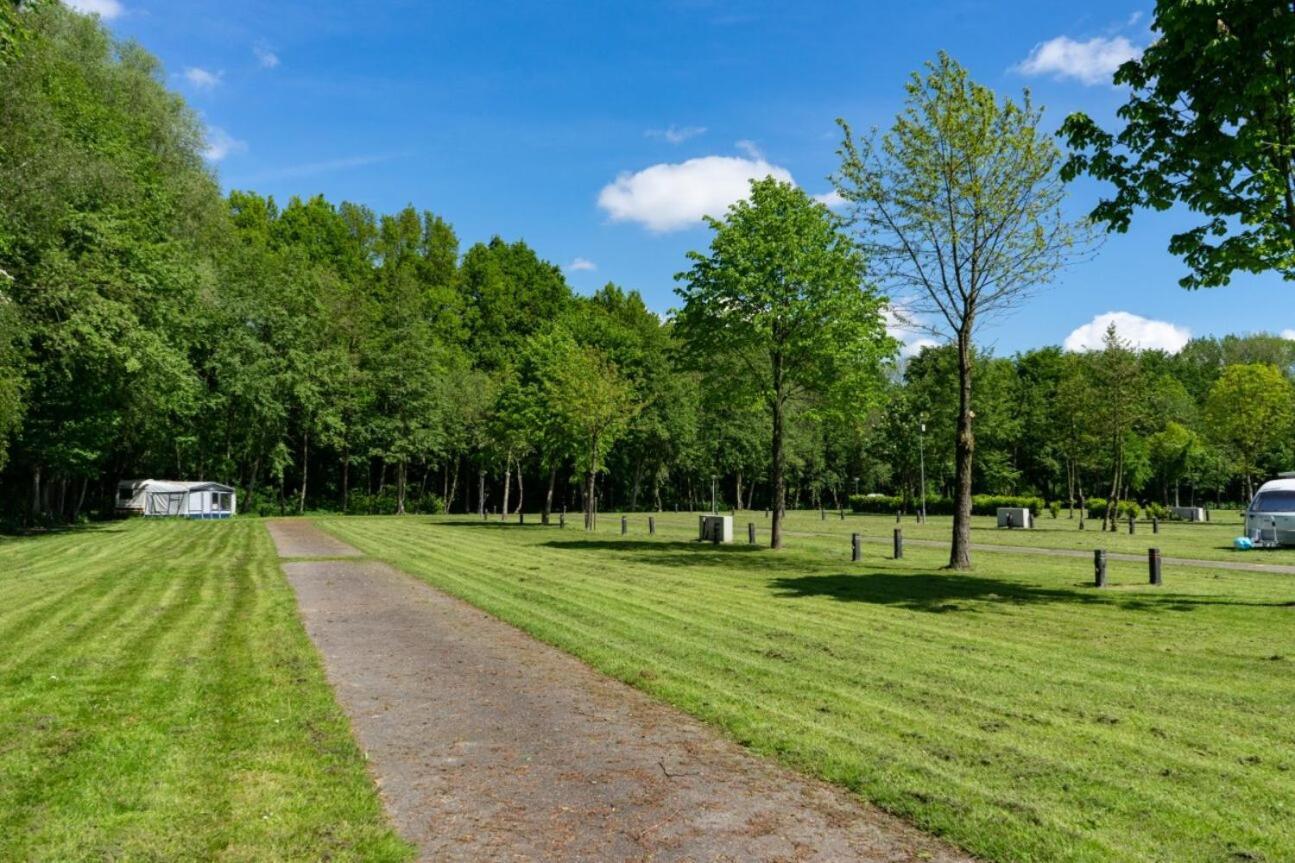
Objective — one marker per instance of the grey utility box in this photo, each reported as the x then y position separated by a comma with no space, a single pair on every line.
1015,516
1188,513
715,528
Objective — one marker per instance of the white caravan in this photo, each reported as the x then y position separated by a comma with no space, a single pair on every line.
1270,519
182,499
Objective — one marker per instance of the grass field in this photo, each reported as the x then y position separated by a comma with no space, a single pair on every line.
160,701
1015,710
1212,541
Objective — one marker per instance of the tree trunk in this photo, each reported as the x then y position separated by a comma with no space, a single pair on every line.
638,480
508,481
346,480
80,498
305,471
777,482
400,487
481,492
35,492
521,491
548,495
737,497
964,450
454,487
591,510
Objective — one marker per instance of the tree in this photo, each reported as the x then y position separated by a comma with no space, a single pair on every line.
1210,123
782,293
1118,406
595,402
1249,409
959,204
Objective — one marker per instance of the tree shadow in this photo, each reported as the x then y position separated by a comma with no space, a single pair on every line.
495,524
942,593
34,533
682,553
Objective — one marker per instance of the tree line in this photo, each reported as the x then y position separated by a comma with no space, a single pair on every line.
319,355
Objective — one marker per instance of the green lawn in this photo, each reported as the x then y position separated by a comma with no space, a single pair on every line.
1212,541
159,700
1015,710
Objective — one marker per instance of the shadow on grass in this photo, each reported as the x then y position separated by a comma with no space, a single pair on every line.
113,526
942,593
682,553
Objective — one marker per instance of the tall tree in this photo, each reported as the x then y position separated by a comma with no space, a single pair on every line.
596,404
1249,409
959,204
782,292
1210,123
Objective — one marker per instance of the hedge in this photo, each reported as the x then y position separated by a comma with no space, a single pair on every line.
981,504
988,504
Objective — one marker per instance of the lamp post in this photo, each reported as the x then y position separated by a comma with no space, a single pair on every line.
921,461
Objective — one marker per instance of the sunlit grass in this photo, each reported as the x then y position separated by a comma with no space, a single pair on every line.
1015,710
159,700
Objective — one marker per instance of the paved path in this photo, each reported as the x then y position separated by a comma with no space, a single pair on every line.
489,745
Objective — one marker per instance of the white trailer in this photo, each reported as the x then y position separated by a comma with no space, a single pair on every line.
160,497
1270,518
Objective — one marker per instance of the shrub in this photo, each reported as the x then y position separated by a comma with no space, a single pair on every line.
1055,508
362,503
981,504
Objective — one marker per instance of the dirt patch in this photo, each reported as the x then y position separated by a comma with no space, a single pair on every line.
296,537
489,745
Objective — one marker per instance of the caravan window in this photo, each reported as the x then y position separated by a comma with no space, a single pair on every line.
1274,501
222,501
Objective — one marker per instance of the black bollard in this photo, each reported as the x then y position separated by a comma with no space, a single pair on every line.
1081,521
899,543
1207,515
625,525
897,516
822,514
856,547
1099,568
651,525
521,517
750,533
843,514
1153,566
562,518
1155,524
1130,524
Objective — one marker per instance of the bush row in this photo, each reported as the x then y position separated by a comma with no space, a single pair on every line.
988,504
981,504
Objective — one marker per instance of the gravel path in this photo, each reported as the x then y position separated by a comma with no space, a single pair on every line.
489,745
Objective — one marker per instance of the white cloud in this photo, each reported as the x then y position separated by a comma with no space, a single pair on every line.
676,134
264,56
831,199
672,196
221,144
582,264
105,9
1142,333
201,78
1288,334
1092,62
902,326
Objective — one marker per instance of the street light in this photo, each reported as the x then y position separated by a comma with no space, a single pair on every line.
921,455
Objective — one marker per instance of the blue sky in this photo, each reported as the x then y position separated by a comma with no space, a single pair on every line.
596,131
